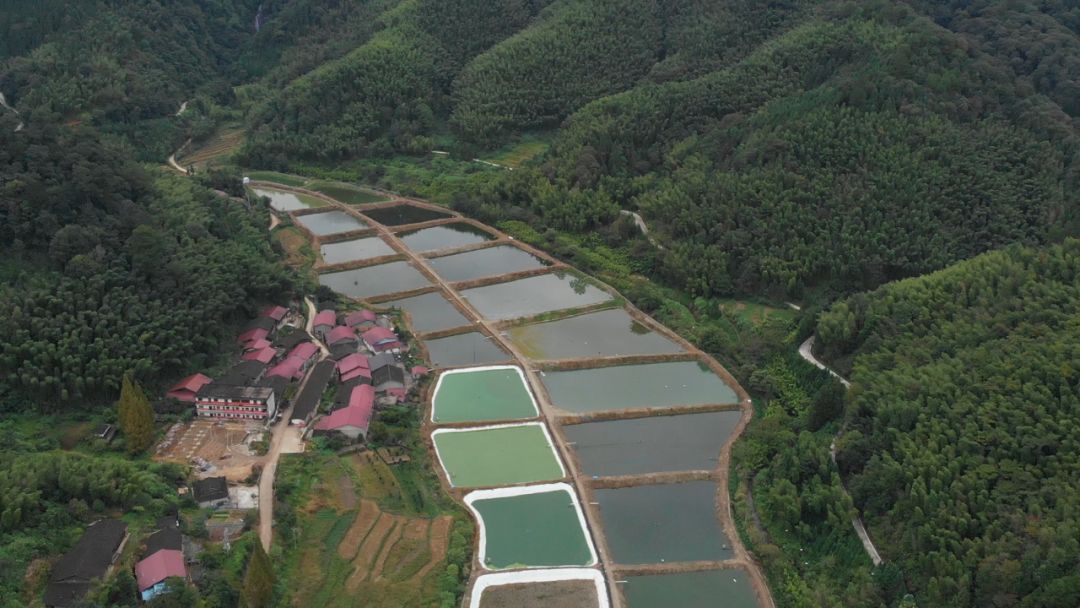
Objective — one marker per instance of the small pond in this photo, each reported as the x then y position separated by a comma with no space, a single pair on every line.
359,249
281,200
372,281
492,261
632,386
534,295
497,455
330,222
708,589
539,529
430,312
499,393
596,334
399,215
472,348
444,237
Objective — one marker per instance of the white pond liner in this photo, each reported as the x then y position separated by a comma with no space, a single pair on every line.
540,576
484,368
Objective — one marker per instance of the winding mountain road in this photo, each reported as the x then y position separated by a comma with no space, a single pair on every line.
640,223
806,351
4,104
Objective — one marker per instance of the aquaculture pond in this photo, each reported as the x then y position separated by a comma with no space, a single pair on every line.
534,295
554,588
707,589
596,334
359,249
474,395
491,261
330,222
444,237
472,348
663,523
372,281
632,386
541,528
497,455
287,201
646,445
399,215
430,312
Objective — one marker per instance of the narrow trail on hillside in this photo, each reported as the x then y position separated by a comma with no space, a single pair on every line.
640,223
806,351
4,104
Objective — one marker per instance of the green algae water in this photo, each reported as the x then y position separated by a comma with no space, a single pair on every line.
497,456
646,445
596,334
632,386
663,523
492,261
533,530
479,395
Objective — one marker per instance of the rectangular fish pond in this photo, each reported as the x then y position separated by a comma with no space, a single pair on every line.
485,393
596,334
497,455
372,281
429,312
555,588
358,249
664,384
646,445
663,523
399,215
708,589
444,237
534,295
537,526
488,262
281,200
330,222
472,348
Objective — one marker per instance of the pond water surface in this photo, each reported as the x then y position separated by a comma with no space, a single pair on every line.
359,249
669,522
497,455
281,200
646,445
632,386
596,334
533,530
534,295
472,348
372,281
444,237
708,589
430,312
399,215
330,222
492,261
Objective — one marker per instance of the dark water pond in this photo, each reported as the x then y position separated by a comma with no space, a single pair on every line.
374,280
430,312
444,237
596,334
359,249
709,589
399,215
465,349
631,386
492,261
330,222
534,295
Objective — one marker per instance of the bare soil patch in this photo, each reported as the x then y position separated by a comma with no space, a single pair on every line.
365,519
561,594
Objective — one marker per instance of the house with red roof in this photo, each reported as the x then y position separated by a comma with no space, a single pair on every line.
253,335
152,572
354,419
340,335
352,362
360,318
257,344
277,313
186,389
381,339
324,322
262,355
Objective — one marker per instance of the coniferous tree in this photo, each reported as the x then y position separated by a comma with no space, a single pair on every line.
136,416
258,581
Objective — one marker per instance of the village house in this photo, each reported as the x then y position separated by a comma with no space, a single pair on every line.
211,492
164,559
218,400
389,379
277,313
353,420
354,366
342,334
298,361
244,373
287,341
89,560
263,355
381,339
359,319
186,389
324,322
306,404
343,349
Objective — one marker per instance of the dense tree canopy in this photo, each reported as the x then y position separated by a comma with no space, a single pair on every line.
961,442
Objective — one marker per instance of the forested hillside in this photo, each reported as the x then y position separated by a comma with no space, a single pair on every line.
108,268
961,443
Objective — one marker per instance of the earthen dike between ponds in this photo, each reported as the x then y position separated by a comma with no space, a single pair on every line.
553,416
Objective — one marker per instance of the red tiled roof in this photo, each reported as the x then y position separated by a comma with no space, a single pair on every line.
356,373
358,317
303,351
276,313
289,368
325,317
352,362
252,335
263,355
161,565
257,344
340,333
419,370
375,335
357,413
192,383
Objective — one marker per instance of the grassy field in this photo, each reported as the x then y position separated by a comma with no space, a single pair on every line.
362,534
346,193
520,152
278,178
219,147
298,251
755,313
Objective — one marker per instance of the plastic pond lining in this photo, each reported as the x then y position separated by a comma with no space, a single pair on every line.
580,587
705,589
665,384
596,334
663,523
657,444
497,455
483,393
535,526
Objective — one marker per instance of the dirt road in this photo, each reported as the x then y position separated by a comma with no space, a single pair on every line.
640,223
266,482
